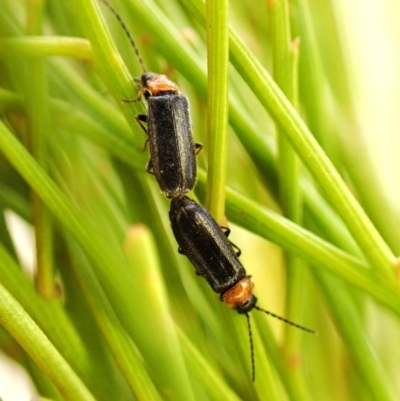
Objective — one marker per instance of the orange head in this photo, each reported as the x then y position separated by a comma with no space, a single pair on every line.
157,84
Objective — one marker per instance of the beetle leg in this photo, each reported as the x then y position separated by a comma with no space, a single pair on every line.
198,147
149,167
236,249
141,93
145,145
227,231
142,118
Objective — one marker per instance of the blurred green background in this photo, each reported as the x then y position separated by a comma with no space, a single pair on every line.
112,311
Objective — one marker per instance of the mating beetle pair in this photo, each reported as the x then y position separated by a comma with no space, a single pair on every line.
173,162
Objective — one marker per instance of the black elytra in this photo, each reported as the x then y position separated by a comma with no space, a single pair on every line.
204,243
169,131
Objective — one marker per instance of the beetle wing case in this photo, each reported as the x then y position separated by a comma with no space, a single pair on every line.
203,242
171,143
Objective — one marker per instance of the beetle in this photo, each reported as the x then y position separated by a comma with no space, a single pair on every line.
169,129
214,257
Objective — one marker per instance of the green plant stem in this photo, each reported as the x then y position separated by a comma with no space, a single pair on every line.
217,107
288,161
106,57
339,146
311,87
285,54
116,337
48,46
51,317
354,334
113,134
15,320
204,372
39,126
366,235
343,307
144,263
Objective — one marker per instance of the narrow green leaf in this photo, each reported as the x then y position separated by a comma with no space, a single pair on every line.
217,110
36,344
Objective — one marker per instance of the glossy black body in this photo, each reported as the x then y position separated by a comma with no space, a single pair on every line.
169,130
173,157
204,243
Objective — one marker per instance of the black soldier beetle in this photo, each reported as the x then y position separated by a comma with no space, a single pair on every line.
169,129
207,247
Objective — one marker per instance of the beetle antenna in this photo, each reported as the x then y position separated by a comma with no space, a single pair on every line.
128,34
285,320
253,368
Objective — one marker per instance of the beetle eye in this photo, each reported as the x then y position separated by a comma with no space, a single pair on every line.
247,305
